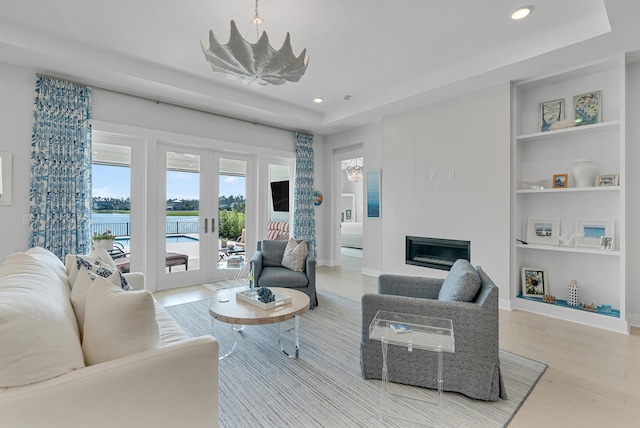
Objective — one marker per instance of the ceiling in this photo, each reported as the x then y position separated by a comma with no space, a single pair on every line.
387,55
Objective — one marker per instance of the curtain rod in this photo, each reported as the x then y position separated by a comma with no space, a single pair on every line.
157,101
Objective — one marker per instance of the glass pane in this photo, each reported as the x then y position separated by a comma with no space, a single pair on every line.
182,212
232,193
111,194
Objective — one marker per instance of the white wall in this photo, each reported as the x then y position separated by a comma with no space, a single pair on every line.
16,107
632,200
446,174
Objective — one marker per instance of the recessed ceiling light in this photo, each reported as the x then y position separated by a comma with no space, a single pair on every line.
318,100
521,12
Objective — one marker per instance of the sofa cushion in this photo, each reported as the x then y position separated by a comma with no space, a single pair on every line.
117,322
278,276
49,259
461,284
37,323
272,252
295,255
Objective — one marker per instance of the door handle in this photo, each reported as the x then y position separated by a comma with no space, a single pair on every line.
206,225
213,224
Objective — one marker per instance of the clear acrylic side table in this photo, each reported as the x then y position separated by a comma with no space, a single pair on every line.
412,332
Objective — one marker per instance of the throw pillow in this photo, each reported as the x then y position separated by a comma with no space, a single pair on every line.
84,281
295,255
118,323
461,284
97,255
38,330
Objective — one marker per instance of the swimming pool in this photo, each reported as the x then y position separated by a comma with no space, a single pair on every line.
171,239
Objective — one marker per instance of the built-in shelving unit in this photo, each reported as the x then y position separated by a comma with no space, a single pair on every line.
540,155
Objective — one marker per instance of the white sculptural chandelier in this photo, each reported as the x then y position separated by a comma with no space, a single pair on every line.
260,62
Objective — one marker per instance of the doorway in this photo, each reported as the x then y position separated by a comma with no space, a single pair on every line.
203,203
349,212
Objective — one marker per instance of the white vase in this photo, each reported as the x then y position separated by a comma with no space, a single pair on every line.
584,172
107,244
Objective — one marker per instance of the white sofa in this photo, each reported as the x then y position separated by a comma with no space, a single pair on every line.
131,365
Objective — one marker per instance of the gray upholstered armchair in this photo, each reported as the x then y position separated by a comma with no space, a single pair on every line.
269,272
474,369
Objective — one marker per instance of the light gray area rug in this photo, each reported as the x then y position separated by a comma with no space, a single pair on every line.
259,386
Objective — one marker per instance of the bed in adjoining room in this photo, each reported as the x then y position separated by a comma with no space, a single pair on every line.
351,234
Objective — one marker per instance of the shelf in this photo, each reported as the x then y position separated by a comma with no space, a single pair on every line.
579,250
614,313
572,189
576,130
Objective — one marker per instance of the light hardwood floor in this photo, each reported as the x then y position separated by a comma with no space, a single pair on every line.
593,379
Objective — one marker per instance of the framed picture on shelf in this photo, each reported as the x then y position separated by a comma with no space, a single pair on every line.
550,113
560,181
543,230
587,108
608,180
591,231
534,282
606,243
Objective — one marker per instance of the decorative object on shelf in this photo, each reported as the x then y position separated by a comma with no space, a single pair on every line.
535,183
592,231
551,112
534,282
566,240
587,108
548,298
560,181
249,62
317,197
563,124
608,180
589,306
354,169
606,243
584,172
573,293
543,230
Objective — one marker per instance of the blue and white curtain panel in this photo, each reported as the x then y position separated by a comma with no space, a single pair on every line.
60,194
304,224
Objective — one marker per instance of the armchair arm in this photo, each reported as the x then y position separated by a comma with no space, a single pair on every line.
409,286
310,271
135,280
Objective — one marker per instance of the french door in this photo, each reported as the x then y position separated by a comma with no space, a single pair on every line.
188,229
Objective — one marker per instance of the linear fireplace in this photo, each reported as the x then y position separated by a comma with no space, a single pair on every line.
436,253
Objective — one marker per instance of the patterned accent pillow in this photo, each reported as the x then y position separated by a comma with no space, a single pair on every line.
99,268
295,255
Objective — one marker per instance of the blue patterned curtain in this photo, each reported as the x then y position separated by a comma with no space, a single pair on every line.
304,224
60,196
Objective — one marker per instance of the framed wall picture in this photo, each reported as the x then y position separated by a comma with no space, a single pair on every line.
560,181
550,113
587,108
5,178
608,180
347,215
543,230
373,193
606,243
534,282
591,231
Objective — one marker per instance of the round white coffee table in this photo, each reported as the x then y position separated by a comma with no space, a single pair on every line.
227,308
